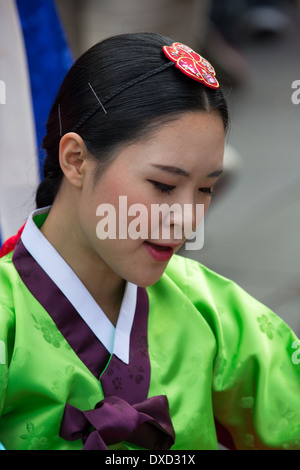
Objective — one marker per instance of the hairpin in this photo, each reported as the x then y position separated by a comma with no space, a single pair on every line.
97,98
116,92
181,56
59,120
192,64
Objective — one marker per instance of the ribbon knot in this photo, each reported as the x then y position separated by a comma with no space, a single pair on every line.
146,424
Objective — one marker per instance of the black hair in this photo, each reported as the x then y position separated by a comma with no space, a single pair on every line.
101,75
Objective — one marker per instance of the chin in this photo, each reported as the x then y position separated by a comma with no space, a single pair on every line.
147,278
147,284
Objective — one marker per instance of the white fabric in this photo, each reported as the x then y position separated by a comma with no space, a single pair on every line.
115,339
19,173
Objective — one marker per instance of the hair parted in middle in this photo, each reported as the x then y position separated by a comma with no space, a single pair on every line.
117,92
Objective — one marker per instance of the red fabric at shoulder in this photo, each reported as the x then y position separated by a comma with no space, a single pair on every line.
10,244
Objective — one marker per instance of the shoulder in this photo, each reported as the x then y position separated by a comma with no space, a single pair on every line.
225,305
7,269
201,284
190,273
9,280
8,283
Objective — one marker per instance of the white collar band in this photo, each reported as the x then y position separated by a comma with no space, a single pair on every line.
115,339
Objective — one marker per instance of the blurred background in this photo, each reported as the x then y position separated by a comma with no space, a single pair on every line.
252,229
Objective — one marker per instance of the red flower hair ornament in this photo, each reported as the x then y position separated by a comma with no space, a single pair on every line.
192,64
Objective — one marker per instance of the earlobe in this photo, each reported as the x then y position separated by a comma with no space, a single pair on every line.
72,156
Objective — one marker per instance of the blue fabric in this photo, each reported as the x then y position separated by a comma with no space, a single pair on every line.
48,56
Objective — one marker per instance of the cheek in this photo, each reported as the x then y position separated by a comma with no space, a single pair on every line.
127,195
120,185
127,206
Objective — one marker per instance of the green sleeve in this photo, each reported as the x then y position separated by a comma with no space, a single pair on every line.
7,328
256,369
6,348
256,384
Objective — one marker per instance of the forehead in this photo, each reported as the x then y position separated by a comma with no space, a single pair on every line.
194,140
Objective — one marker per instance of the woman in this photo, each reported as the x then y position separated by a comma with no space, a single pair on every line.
111,340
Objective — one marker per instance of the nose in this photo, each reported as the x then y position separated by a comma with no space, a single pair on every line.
186,218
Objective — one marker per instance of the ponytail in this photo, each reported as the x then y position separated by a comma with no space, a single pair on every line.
49,186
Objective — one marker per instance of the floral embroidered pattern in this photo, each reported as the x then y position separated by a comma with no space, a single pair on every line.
266,326
141,342
36,441
49,331
247,402
286,419
117,383
136,373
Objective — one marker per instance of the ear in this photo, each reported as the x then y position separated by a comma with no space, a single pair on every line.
72,158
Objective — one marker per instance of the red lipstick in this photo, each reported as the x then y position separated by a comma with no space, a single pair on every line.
160,252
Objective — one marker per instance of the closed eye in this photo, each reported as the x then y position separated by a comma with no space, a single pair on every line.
163,188
209,191
169,189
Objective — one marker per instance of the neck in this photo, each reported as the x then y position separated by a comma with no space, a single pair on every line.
106,287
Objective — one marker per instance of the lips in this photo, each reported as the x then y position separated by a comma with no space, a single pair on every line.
160,252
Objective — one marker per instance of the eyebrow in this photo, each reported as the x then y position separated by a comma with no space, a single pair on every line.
179,171
172,169
214,174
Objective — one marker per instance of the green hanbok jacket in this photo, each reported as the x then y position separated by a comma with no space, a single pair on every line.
193,361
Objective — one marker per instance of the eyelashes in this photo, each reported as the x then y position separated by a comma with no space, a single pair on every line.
169,189
163,188
209,191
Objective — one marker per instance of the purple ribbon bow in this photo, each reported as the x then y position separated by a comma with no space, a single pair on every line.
146,424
